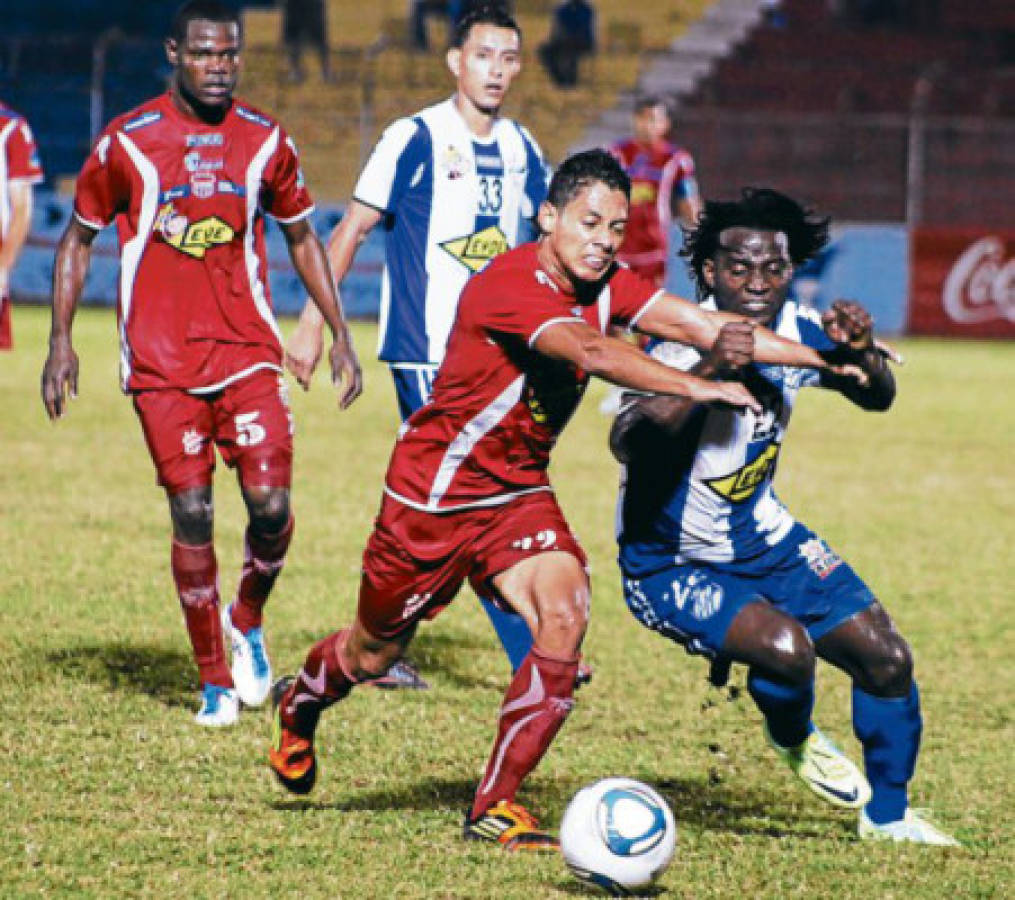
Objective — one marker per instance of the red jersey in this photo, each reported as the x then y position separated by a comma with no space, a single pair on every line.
656,173
498,405
19,160
188,198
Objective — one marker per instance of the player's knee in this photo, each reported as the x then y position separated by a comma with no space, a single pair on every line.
193,516
790,653
888,670
374,662
269,509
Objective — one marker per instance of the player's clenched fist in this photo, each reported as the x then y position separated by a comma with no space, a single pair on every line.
733,348
847,322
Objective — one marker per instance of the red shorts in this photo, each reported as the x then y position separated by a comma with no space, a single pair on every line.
415,562
248,420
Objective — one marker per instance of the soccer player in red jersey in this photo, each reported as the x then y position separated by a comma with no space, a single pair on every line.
188,177
663,184
19,171
467,494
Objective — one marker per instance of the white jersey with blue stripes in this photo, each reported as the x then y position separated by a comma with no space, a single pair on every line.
708,497
452,201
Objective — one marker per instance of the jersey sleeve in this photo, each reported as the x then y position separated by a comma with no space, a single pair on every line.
394,165
685,182
103,187
537,180
286,197
522,307
630,296
22,155
812,334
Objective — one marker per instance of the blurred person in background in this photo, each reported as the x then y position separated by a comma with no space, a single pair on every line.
20,170
572,36
305,24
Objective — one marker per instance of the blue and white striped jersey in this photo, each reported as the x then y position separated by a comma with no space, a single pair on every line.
709,496
452,203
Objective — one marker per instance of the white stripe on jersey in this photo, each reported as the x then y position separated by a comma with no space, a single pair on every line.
470,435
133,250
255,172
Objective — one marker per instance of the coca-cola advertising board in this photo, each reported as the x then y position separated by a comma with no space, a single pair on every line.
963,283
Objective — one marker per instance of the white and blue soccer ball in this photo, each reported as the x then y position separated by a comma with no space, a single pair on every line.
618,835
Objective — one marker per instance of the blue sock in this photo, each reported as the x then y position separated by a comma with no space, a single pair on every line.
889,729
511,628
787,708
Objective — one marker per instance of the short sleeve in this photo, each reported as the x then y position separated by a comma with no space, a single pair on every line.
674,355
517,303
630,296
22,155
394,165
685,182
812,334
286,197
103,187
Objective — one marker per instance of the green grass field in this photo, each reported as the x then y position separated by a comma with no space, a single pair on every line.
109,789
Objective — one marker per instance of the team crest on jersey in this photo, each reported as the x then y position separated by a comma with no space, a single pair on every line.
821,558
474,251
192,238
741,484
453,163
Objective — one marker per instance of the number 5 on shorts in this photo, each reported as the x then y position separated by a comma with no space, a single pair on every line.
248,432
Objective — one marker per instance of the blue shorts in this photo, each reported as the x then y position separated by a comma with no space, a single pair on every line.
695,604
413,383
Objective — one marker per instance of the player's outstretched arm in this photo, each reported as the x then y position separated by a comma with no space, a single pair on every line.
311,263
645,419
60,372
851,326
673,318
620,362
303,349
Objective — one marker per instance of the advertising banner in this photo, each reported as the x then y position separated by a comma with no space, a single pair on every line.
963,283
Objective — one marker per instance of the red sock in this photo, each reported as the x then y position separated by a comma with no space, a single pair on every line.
263,556
6,325
321,682
535,706
196,575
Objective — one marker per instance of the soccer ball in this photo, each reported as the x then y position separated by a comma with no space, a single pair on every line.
618,835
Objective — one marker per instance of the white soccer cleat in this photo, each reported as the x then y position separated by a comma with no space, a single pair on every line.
220,706
251,668
912,828
826,770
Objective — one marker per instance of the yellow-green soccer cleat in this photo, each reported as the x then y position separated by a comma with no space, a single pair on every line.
826,770
511,826
912,828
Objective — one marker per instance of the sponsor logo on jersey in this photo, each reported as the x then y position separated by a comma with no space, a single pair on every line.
194,162
215,139
741,484
821,558
149,118
475,250
192,238
643,192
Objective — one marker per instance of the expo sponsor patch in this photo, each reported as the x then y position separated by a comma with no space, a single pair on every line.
474,251
740,485
192,238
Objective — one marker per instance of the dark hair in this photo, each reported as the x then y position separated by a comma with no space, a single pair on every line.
581,170
650,101
209,10
491,13
760,208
